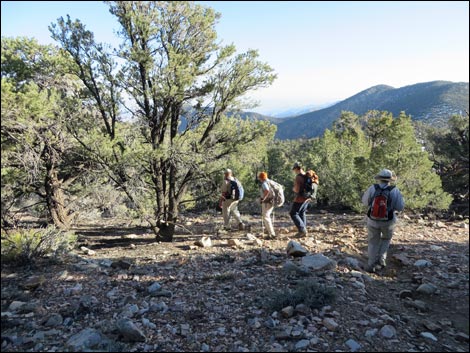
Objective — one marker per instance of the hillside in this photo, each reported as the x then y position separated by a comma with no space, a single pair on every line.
123,291
432,102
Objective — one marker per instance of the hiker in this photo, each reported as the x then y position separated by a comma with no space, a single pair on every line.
382,200
232,193
301,201
267,204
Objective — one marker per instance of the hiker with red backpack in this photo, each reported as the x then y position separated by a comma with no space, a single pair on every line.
382,199
232,194
305,187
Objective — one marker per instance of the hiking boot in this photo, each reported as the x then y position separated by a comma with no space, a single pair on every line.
370,268
382,263
241,226
301,234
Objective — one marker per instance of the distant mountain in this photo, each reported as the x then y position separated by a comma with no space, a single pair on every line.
291,112
431,102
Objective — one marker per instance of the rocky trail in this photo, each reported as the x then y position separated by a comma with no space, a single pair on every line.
120,290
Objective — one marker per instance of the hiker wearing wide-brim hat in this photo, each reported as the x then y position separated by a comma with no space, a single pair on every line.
383,200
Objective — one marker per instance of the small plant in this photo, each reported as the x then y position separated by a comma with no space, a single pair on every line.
312,294
27,245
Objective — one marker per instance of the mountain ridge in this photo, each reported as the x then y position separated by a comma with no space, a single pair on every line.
432,102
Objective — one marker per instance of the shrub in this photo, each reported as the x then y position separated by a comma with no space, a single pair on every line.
27,245
312,294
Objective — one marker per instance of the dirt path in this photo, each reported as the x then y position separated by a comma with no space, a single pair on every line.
217,298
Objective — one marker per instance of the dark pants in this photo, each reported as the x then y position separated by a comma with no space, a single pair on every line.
297,213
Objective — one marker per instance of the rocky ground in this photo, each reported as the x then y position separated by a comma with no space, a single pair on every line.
122,291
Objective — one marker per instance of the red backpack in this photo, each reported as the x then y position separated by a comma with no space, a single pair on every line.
380,208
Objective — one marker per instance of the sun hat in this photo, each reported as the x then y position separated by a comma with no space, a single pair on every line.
263,175
386,175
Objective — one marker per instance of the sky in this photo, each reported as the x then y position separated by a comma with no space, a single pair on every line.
321,51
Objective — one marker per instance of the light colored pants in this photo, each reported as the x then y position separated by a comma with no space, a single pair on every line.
266,210
379,236
229,208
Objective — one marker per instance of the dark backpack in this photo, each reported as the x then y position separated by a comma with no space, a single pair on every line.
236,190
310,184
380,208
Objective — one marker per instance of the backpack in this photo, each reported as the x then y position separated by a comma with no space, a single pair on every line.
278,193
380,208
236,190
310,184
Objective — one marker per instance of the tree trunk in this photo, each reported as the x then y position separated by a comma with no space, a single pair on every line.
55,200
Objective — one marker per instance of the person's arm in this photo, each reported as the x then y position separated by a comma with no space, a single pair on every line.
367,196
399,202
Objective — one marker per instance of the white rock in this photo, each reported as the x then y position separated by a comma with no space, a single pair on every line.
330,324
422,263
295,249
318,262
428,335
388,331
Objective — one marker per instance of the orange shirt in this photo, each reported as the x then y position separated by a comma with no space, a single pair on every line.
299,185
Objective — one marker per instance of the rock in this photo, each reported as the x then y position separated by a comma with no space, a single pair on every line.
417,304
388,331
33,282
85,340
74,290
318,262
405,294
422,263
371,333
129,236
204,242
54,320
288,311
402,258
462,337
428,335
353,345
295,249
16,305
302,309
431,326
234,242
87,251
185,330
330,324
161,306
106,263
290,267
353,263
154,287
302,344
440,225
251,237
427,288
130,331
121,264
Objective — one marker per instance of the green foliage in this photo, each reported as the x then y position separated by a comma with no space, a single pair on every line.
308,292
348,157
24,246
448,148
